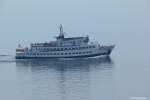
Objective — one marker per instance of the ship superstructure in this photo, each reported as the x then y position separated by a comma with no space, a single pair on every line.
74,47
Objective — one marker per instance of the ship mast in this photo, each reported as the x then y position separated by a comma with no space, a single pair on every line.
61,34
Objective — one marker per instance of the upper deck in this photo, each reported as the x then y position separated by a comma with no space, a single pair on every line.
73,41
61,40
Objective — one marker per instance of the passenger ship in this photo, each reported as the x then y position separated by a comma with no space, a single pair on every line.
74,47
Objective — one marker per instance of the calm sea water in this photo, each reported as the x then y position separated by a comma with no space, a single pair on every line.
122,76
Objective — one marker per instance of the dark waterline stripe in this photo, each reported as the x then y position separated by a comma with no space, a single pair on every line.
83,56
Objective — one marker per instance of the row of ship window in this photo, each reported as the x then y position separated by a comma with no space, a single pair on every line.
62,49
44,54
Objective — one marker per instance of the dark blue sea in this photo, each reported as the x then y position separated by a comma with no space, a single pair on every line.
125,75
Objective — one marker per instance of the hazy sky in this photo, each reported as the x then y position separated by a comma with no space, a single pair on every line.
113,21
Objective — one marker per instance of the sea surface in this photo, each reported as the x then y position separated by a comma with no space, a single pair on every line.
125,75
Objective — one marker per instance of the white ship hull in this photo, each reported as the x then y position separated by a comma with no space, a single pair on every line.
99,51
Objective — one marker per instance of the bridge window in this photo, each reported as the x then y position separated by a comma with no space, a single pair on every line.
62,49
58,49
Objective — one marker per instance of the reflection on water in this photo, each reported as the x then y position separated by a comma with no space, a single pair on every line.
62,79
64,64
